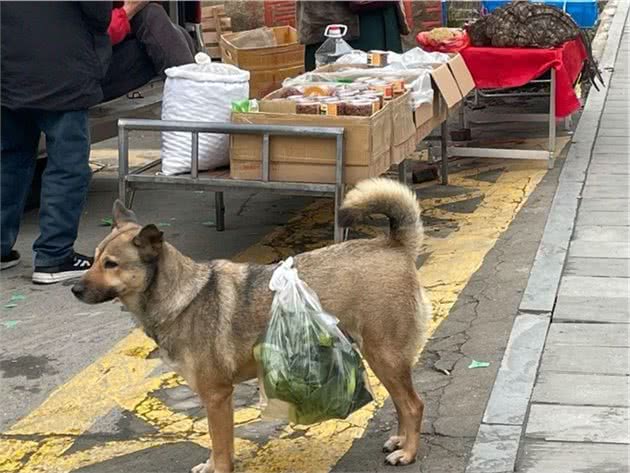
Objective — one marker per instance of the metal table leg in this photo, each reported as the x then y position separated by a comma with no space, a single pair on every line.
444,147
219,209
552,120
403,169
339,189
123,164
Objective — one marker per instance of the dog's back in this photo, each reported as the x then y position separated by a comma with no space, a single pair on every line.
372,285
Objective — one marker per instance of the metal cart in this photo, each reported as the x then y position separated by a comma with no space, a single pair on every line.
131,180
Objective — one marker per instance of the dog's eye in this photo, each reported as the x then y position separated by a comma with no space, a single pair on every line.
110,264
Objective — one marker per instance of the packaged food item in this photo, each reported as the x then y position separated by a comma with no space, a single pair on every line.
380,96
377,58
360,108
397,84
318,90
332,108
307,107
374,100
358,85
245,106
288,92
385,87
348,93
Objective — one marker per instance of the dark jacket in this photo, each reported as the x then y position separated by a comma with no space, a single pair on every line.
314,16
54,54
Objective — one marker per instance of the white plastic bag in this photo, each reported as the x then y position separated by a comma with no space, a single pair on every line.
417,58
203,91
417,81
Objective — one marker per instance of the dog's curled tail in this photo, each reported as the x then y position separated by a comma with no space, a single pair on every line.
385,196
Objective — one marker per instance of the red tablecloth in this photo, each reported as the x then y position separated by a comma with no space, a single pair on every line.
494,68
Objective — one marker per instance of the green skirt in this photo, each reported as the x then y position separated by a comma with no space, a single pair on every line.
378,30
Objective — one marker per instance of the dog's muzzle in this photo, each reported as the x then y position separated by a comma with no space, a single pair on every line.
91,295
79,290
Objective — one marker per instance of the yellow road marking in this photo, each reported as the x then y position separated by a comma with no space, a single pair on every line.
445,273
122,377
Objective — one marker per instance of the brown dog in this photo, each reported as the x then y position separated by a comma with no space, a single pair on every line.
206,317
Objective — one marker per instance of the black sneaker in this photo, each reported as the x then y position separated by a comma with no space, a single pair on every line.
12,259
73,268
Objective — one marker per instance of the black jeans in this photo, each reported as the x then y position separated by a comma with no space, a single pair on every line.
64,183
154,45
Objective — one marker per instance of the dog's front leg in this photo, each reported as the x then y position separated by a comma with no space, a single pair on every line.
221,426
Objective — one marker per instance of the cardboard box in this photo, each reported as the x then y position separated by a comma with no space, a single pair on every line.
423,113
462,75
451,82
402,116
367,145
268,66
403,128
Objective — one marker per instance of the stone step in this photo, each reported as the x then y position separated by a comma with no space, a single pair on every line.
578,423
592,309
585,389
569,457
592,335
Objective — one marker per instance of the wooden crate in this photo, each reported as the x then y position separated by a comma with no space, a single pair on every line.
214,24
268,66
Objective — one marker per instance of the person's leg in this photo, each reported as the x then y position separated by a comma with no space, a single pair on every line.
309,56
130,69
378,30
393,42
19,140
64,187
162,40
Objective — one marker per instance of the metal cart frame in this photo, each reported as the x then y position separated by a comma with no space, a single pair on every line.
130,181
549,117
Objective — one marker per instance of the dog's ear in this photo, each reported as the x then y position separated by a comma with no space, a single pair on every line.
122,215
149,242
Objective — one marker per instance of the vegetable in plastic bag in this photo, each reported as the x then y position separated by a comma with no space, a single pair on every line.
310,372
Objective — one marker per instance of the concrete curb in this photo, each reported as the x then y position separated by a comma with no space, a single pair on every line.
497,443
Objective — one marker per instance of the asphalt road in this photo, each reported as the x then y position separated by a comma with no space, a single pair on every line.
83,391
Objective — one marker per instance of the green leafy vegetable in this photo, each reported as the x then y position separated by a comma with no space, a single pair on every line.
307,362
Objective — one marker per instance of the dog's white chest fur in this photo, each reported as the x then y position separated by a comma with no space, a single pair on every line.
184,369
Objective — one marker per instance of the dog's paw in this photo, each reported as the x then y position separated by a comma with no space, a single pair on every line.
394,443
203,468
400,457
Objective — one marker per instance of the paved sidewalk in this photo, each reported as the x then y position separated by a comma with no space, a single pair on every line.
579,410
561,400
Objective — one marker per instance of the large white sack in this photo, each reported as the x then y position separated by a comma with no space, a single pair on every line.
203,91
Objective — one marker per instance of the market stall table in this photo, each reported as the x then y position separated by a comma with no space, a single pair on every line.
505,68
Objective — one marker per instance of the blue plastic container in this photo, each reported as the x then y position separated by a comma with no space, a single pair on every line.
583,12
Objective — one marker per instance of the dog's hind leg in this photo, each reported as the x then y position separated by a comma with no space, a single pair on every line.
395,375
218,402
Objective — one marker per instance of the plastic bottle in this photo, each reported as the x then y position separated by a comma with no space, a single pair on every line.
334,47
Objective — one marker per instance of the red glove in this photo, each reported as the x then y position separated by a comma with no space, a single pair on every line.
119,26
